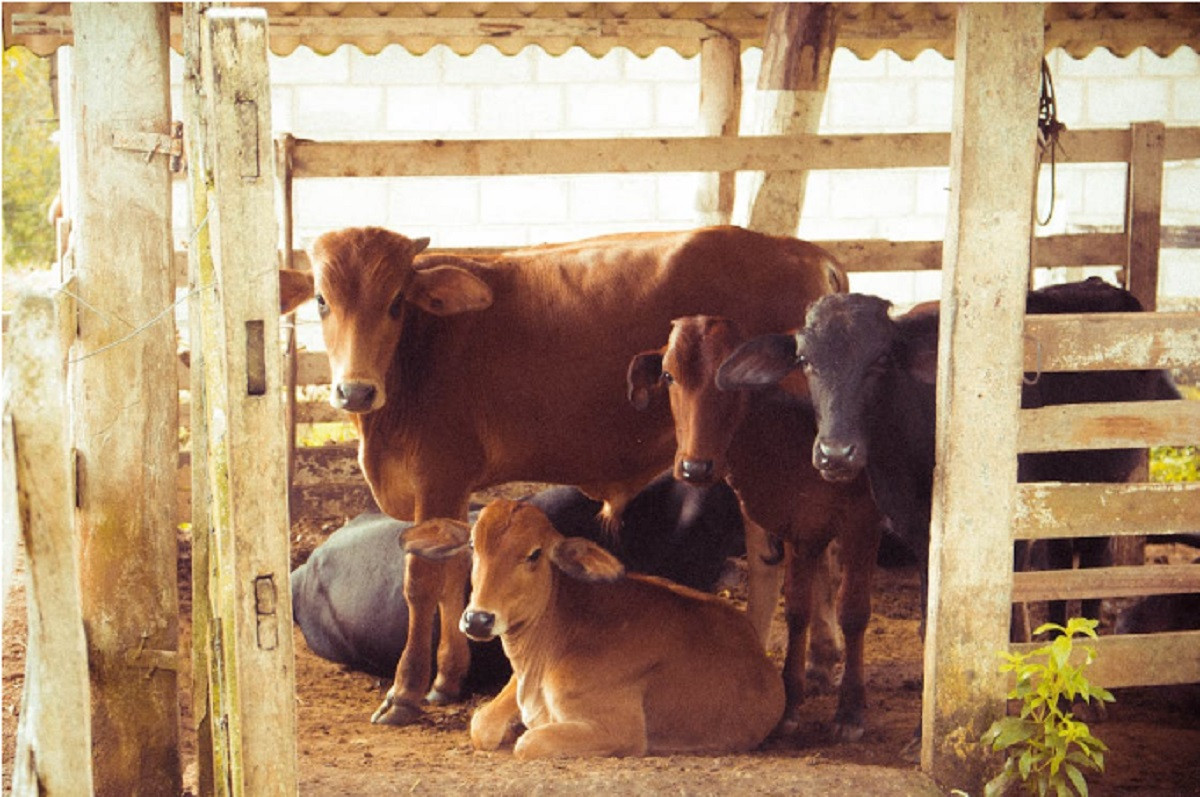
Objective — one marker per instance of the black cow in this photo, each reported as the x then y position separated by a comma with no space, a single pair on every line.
872,382
348,598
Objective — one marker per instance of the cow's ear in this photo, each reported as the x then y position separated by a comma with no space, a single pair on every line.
922,364
585,560
437,539
447,290
643,378
295,288
759,362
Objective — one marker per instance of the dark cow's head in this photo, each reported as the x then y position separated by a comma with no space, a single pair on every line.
516,550
366,284
706,418
848,346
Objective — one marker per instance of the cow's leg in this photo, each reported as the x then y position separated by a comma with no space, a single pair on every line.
497,722
422,585
762,580
826,643
615,728
1060,555
803,560
454,654
859,549
1093,552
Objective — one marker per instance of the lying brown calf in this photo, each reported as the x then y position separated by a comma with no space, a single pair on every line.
604,663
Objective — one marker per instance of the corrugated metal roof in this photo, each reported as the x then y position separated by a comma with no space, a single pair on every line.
863,28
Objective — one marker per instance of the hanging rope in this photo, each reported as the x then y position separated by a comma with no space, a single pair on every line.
1049,129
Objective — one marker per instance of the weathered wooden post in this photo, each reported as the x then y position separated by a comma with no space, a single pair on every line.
54,737
199,253
720,115
124,392
797,53
253,670
993,148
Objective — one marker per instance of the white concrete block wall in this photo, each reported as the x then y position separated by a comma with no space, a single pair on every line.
394,94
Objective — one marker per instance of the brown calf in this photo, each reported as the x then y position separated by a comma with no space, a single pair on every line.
760,443
604,663
465,373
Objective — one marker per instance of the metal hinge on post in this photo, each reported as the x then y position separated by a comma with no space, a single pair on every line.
154,144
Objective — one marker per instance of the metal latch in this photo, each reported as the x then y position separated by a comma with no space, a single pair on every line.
153,144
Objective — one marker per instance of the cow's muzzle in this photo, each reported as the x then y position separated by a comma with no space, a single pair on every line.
354,396
838,461
479,626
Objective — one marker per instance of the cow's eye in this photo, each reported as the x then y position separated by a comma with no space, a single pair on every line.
534,555
394,310
667,379
322,305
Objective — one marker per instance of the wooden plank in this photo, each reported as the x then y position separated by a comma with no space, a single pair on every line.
464,157
1139,659
54,736
797,54
720,115
1046,510
1143,211
247,450
1111,341
1105,582
989,230
122,240
1090,427
474,157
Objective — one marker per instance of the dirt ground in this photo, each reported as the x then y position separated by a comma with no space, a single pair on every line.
1153,734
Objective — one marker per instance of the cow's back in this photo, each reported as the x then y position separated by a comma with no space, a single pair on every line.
550,354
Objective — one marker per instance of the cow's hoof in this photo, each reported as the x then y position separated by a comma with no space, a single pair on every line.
789,725
440,697
823,679
395,712
847,731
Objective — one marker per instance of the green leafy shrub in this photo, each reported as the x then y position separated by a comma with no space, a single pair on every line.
1048,749
30,160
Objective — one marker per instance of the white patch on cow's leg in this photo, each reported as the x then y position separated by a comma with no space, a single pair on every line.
763,581
826,643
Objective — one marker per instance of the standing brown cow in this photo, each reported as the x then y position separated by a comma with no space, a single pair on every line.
466,373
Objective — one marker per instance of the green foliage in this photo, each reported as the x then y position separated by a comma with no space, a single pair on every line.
1048,749
1175,464
30,160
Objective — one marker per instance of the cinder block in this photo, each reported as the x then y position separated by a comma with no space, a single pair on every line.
935,105
393,65
517,109
1184,62
331,203
933,191
1119,102
303,66
577,65
874,194
845,65
422,203
864,106
282,111
1181,193
677,109
928,65
1099,63
626,198
611,106
661,65
676,204
1185,101
1103,195
338,110
521,200
488,65
434,110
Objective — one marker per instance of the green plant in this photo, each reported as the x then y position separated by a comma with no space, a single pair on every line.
30,160
1047,748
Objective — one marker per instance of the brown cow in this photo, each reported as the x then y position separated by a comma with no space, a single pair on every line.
760,442
466,373
603,663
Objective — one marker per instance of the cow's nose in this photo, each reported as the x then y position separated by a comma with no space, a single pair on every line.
831,452
478,625
354,396
696,470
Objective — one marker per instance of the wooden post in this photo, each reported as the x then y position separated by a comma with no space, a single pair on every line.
199,253
54,737
284,149
1143,229
797,53
993,146
124,392
720,115
254,683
